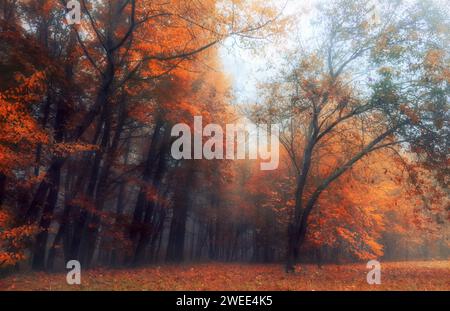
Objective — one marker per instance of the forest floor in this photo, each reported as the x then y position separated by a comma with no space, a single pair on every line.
412,275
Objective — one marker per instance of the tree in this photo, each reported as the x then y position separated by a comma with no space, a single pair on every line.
319,101
108,91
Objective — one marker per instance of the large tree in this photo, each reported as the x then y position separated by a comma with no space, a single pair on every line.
378,78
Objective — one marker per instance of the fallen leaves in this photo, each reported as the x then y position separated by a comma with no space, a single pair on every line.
413,275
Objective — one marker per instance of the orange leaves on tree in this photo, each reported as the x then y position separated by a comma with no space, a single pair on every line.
19,131
13,239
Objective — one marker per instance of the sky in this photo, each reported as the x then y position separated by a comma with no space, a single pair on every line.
246,67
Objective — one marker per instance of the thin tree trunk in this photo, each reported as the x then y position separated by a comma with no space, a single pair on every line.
2,188
40,246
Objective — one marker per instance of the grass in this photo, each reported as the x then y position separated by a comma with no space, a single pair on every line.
411,276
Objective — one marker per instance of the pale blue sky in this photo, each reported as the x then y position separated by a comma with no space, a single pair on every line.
246,67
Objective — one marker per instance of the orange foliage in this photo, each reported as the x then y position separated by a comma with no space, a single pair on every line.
414,275
13,239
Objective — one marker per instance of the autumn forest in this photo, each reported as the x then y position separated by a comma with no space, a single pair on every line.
91,91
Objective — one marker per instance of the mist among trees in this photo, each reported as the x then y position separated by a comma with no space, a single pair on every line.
86,112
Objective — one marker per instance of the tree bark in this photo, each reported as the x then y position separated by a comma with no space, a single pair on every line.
2,188
40,246
149,225
182,201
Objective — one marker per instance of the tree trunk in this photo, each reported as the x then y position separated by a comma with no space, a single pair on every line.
146,176
40,246
182,201
149,224
2,188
